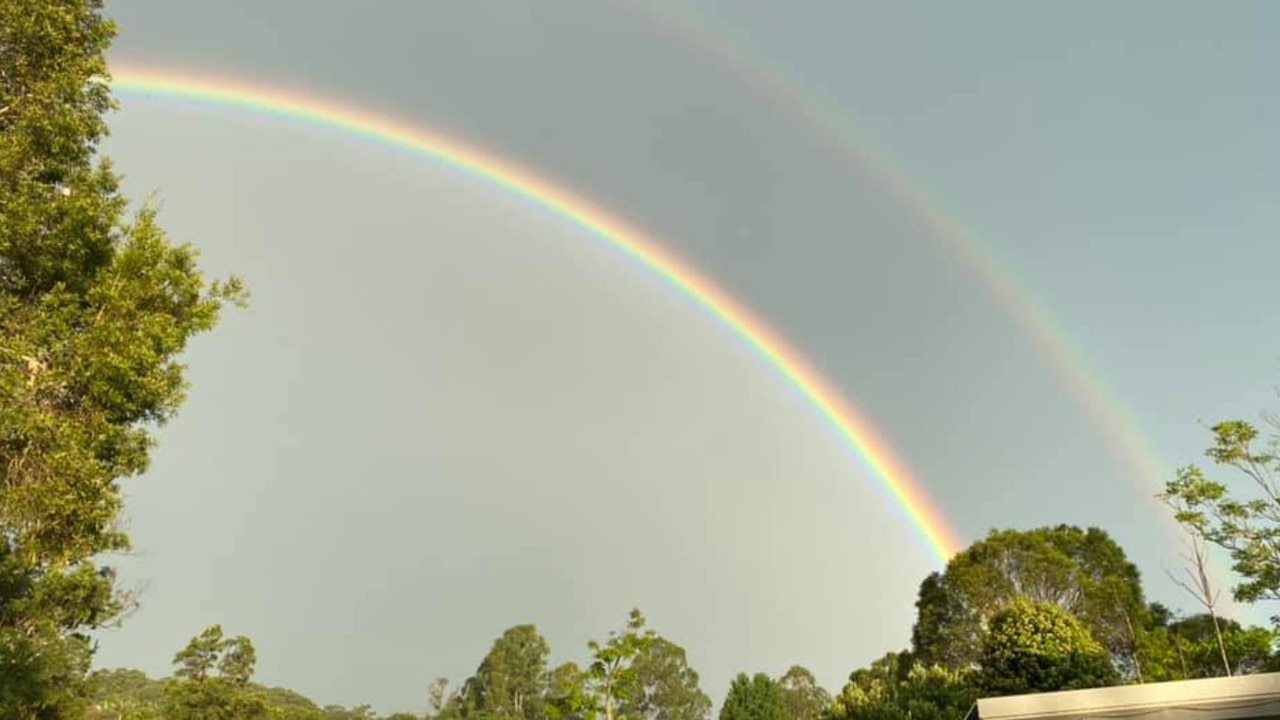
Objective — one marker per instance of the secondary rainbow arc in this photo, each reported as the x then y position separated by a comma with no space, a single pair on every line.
851,427
835,123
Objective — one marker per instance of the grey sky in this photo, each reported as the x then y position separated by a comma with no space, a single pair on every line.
447,412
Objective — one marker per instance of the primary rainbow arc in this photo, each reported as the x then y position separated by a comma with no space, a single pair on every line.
852,428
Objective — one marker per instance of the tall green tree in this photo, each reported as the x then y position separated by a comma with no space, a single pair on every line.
511,681
662,685
1247,524
1082,571
212,680
95,310
637,674
610,674
567,695
803,697
1039,647
758,697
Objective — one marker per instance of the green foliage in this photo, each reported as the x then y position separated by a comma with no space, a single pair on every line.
1248,527
94,312
1084,572
1039,647
893,667
920,693
662,686
1188,648
43,672
511,681
212,680
125,695
284,704
131,695
754,698
337,712
50,109
439,697
609,676
567,695
634,675
803,698
638,675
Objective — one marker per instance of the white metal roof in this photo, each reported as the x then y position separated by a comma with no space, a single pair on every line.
1227,698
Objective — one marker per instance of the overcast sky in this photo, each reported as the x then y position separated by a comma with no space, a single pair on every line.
447,411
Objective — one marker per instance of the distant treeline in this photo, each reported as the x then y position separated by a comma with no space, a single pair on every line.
1051,608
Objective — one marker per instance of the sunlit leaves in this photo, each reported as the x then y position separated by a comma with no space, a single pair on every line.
1039,647
1082,571
1247,527
921,693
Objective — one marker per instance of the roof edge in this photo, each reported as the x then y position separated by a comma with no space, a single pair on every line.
1127,698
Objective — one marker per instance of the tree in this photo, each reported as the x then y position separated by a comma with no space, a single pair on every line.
921,693
131,695
754,698
662,686
1039,647
283,704
359,712
609,674
124,695
638,675
803,697
212,680
1247,527
1188,648
1081,571
891,668
567,694
1199,587
511,681
95,310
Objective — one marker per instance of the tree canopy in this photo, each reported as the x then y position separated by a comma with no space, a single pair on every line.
758,697
920,693
212,680
1039,647
511,681
1082,571
802,696
1248,526
96,308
